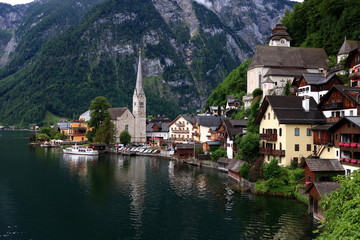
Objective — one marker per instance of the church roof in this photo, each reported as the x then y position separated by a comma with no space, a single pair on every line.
348,46
116,112
289,57
292,72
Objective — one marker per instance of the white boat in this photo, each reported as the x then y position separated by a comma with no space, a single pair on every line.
80,150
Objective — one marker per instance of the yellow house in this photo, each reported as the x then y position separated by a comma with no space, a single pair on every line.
285,124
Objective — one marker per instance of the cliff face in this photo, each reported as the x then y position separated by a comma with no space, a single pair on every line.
65,54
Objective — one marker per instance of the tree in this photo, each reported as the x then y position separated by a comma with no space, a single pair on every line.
248,146
218,154
98,113
342,210
106,132
125,137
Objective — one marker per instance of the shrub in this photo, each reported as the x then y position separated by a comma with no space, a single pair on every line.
244,170
218,154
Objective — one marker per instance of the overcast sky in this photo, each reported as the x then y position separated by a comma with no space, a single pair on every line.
14,2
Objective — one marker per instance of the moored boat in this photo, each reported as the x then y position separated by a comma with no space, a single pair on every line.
80,150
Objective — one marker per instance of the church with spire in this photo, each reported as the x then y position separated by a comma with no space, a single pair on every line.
134,122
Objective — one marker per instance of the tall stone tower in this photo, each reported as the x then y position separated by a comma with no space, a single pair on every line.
139,106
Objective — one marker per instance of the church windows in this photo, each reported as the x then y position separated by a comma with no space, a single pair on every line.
127,127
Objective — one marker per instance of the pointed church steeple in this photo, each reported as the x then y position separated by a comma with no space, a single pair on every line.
139,80
139,106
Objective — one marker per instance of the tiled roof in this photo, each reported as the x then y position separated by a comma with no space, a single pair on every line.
353,119
209,121
348,46
324,165
292,72
289,109
317,78
350,93
116,112
235,165
324,188
324,127
289,57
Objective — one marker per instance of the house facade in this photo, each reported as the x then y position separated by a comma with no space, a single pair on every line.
182,128
285,124
316,85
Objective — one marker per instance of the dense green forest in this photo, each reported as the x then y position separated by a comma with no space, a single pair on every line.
234,84
323,23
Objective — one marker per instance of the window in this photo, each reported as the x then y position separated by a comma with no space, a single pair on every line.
336,136
337,153
319,135
297,147
280,132
308,132
328,149
127,127
274,116
308,147
348,172
268,115
351,113
297,131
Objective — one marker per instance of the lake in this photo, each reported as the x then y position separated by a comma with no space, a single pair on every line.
47,195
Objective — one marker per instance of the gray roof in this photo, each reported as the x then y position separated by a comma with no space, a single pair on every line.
289,72
235,165
353,119
213,143
234,127
289,109
348,46
317,78
116,112
289,57
349,92
324,188
209,121
223,160
188,117
324,165
188,146
323,127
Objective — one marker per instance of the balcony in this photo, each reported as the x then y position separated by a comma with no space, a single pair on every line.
349,147
180,131
337,105
354,75
272,152
351,162
268,137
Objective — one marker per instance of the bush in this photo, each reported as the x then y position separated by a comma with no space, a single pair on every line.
218,154
244,170
198,151
272,170
257,92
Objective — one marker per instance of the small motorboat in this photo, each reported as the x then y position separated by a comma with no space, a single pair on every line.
80,150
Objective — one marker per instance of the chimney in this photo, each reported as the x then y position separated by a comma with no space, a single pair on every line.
306,103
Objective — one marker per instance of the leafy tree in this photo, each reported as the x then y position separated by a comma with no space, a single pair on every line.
106,132
125,137
257,92
248,146
218,154
98,111
342,210
244,170
272,169
42,136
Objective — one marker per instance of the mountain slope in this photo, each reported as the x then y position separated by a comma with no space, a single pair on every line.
188,49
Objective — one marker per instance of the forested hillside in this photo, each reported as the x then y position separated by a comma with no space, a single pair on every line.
323,23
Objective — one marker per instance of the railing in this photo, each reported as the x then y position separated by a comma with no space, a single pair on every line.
274,152
354,75
350,161
349,146
180,131
268,137
336,105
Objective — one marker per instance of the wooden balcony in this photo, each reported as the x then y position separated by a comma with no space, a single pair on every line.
351,147
268,137
337,105
272,152
354,75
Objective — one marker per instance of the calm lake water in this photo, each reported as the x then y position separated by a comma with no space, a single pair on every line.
46,195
